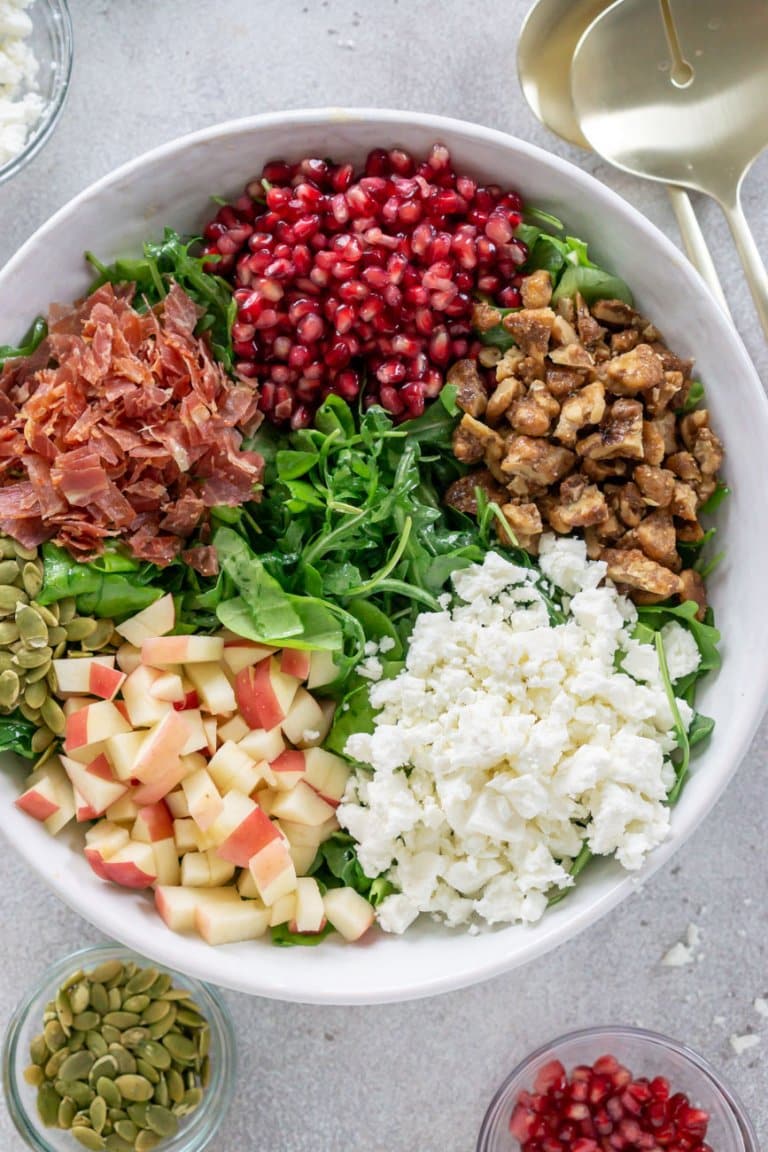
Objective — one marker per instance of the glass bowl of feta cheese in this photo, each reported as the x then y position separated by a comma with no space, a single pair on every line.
35,65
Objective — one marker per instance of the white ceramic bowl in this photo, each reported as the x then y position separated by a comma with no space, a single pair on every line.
172,185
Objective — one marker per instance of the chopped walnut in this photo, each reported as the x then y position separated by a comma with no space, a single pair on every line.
633,372
656,536
562,381
660,397
584,407
670,362
536,460
614,313
485,317
525,522
692,588
708,452
580,506
629,504
471,396
684,466
621,434
572,356
600,470
653,443
529,418
624,341
508,364
690,532
685,502
531,329
657,485
509,390
461,494
472,439
590,332
691,426
631,567
563,331
536,289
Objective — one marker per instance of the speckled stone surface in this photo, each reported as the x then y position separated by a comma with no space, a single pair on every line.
416,1077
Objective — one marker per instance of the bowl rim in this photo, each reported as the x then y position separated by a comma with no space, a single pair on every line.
551,931
43,131
721,1084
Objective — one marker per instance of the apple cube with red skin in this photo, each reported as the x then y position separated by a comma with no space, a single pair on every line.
310,910
101,842
241,654
327,773
144,708
153,823
48,796
161,651
171,775
177,905
230,923
246,829
155,620
288,769
95,784
349,913
203,798
74,704
263,743
295,663
213,688
306,723
272,870
94,674
264,694
132,866
163,744
302,805
123,751
88,729
322,670
198,739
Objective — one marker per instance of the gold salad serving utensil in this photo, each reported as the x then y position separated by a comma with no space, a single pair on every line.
677,91
545,49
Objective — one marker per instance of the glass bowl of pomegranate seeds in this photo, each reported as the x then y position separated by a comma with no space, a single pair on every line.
616,1089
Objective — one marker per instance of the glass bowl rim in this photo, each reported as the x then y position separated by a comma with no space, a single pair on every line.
218,1095
52,112
720,1085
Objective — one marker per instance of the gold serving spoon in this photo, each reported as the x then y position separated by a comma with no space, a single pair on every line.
677,91
545,49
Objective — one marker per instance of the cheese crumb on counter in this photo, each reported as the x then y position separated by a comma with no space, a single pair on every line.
683,952
20,105
743,1043
508,741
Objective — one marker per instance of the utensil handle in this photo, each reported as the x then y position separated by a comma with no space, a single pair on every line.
751,260
695,245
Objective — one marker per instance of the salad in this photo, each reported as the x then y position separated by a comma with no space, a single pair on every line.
352,560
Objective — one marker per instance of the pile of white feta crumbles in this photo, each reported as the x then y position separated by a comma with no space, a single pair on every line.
506,742
20,104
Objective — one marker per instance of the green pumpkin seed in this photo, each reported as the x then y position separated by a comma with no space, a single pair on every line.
9,633
110,1034
33,658
180,1047
55,1036
138,1114
34,1075
157,1031
122,1020
161,1120
96,1043
31,714
189,1018
55,1063
7,547
53,716
106,1065
87,1021
77,1090
127,1130
78,998
136,1003
38,1050
189,1078
115,1143
134,1088
6,660
78,629
204,1041
49,613
105,972
158,1055
32,579
77,1066
55,635
109,1092
176,1086
101,635
99,999
116,1114
162,1096
10,687
36,675
9,571
205,1071
35,694
114,999
146,1141
24,553
10,596
98,1112
66,609
178,994
147,1071
156,1011
141,981
32,628
126,1064
67,1112
88,1138
48,1101
76,1040
161,987
81,1120
132,1037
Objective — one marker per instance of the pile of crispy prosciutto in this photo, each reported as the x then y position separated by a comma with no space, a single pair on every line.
122,425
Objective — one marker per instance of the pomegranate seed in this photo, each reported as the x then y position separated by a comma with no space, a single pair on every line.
660,1088
309,328
342,177
338,355
413,394
576,1111
347,385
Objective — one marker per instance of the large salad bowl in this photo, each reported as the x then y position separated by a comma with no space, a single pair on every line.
173,185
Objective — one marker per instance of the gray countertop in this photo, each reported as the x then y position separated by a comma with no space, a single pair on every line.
416,1076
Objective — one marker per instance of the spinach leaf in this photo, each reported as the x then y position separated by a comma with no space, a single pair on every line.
34,336
16,735
593,284
336,865
284,938
114,585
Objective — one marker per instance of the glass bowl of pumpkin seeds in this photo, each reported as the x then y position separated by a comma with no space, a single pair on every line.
110,1052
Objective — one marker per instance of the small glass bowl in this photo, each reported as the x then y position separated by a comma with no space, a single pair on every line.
51,41
645,1054
195,1131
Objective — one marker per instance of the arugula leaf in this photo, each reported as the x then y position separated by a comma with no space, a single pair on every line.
721,492
284,938
34,337
336,865
16,735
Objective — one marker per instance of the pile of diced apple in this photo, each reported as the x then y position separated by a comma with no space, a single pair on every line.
198,758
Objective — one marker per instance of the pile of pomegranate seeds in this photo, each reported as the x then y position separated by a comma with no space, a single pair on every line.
345,282
604,1107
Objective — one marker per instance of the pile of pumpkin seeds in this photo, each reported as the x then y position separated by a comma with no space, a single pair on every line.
122,1058
32,635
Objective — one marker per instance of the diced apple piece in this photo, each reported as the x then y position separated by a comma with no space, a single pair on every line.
128,658
87,674
160,651
233,729
177,905
213,688
143,708
89,728
163,744
205,870
322,670
185,834
203,798
302,805
197,737
153,822
123,751
48,796
229,923
264,694
166,862
304,841
158,787
105,682
101,842
123,811
349,913
326,773
232,769
211,730
177,804
283,909
295,663
132,866
95,784
272,869
242,654
155,620
310,910
263,743
251,831
40,800
75,704
305,725
169,687
83,810
288,769
303,856
246,885
264,797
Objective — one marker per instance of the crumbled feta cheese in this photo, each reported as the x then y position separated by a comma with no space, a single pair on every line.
386,644
683,952
761,1006
371,668
20,104
371,648
744,1043
507,742
680,649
